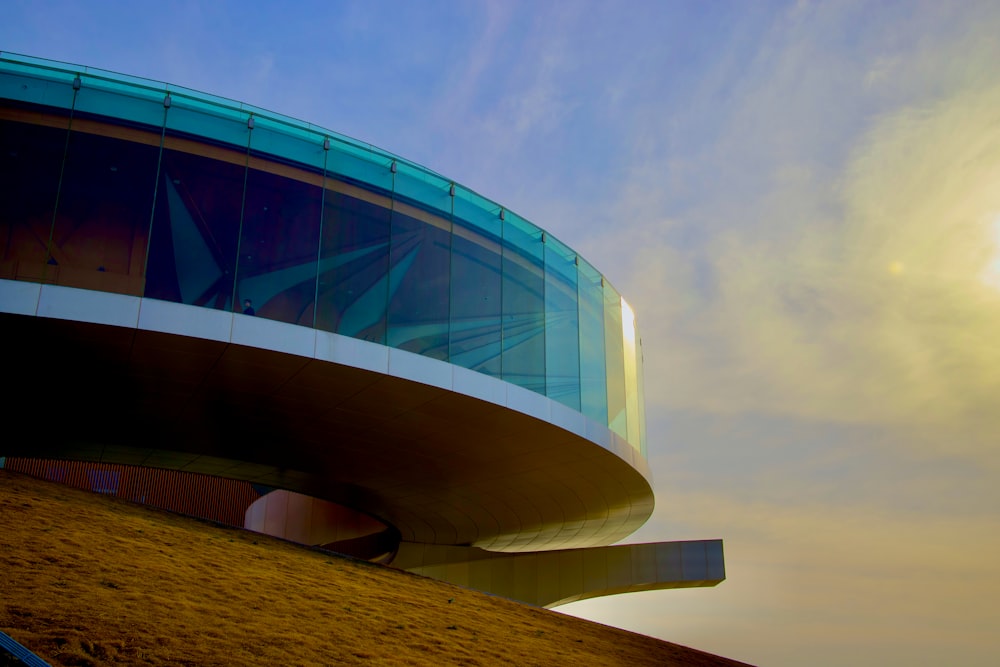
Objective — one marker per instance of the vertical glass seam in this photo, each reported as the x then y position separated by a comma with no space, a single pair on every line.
503,270
77,84
234,306
319,239
451,260
388,250
545,314
156,190
579,325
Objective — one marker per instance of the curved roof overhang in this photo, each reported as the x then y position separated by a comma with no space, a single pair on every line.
444,454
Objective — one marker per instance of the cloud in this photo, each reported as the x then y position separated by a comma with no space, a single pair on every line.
921,583
821,357
840,283
881,314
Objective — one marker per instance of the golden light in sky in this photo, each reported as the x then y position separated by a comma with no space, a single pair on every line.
991,275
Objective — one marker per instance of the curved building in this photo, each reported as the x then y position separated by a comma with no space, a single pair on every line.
394,364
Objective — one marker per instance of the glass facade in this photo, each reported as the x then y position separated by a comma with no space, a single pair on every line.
125,185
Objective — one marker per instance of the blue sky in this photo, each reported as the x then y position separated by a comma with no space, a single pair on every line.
801,201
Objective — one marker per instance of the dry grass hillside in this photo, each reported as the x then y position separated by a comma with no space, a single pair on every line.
93,580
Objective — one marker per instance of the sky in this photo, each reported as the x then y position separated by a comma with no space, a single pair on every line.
801,202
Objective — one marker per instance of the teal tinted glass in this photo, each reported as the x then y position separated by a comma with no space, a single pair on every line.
422,189
271,137
419,259
478,213
107,97
279,244
476,284
196,230
593,380
523,320
354,263
615,361
27,84
562,324
204,187
360,164
190,115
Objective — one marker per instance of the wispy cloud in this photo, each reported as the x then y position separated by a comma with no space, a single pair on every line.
820,337
839,284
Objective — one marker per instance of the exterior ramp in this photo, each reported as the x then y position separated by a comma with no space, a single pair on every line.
553,578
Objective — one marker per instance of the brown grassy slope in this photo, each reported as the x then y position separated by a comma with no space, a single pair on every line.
92,580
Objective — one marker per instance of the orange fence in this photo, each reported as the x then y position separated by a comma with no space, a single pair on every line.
202,496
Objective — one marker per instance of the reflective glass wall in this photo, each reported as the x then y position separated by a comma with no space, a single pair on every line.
130,186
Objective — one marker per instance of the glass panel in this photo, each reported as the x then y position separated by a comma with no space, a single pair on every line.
475,299
418,286
523,360
631,355
354,265
30,160
422,189
562,325
593,380
117,100
478,213
189,115
29,84
641,393
615,360
279,243
102,220
360,165
290,142
192,256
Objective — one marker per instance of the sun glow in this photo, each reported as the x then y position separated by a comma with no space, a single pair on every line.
991,274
